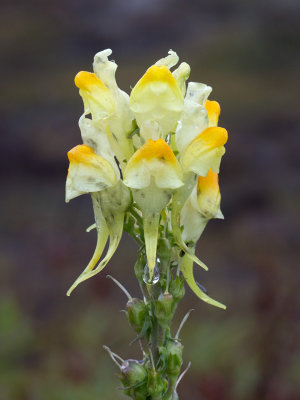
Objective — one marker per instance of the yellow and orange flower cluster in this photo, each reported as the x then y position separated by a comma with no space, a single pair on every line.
158,149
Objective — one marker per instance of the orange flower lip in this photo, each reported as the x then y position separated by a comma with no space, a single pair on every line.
213,137
158,149
158,73
212,107
209,182
85,80
81,154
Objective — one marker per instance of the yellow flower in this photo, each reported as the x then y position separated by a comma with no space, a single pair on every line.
88,172
108,104
201,155
91,173
201,146
97,98
152,173
205,151
158,97
202,205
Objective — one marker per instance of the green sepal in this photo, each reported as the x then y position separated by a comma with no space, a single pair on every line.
174,350
133,374
136,313
164,309
176,288
156,384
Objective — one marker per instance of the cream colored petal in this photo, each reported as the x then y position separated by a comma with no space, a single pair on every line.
194,117
102,236
181,74
193,223
205,151
96,137
120,121
88,172
169,61
156,160
121,125
105,69
110,206
150,130
187,271
151,200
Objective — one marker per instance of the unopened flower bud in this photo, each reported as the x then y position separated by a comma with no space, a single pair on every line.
136,313
164,309
141,392
156,385
176,288
133,373
174,349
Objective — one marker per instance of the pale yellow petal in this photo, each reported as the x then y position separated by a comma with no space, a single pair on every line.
181,74
88,172
156,160
169,61
97,98
205,151
187,271
157,97
102,236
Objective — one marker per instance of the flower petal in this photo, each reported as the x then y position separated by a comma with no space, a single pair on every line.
208,195
194,118
97,98
213,110
96,137
205,151
157,97
187,271
154,159
102,236
169,61
151,200
193,223
111,204
181,74
88,172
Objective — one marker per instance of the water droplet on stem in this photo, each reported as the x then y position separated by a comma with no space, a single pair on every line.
155,276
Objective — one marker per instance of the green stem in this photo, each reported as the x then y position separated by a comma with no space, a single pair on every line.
154,339
172,387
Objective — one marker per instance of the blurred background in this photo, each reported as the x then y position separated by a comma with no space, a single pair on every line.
248,51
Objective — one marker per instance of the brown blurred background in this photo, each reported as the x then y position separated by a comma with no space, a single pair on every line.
51,345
